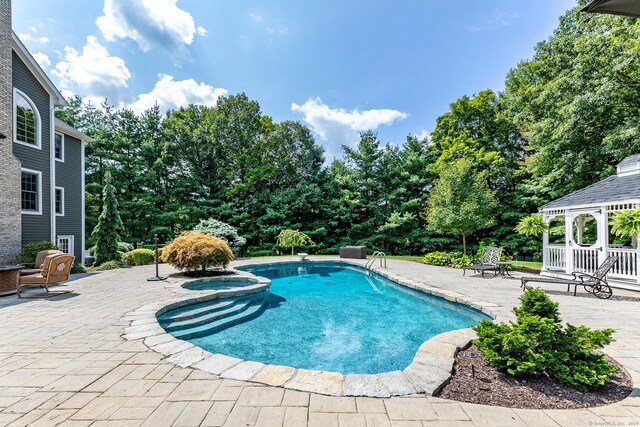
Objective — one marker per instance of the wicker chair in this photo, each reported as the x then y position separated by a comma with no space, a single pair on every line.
596,283
39,261
56,268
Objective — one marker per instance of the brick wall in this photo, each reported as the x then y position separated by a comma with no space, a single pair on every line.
10,215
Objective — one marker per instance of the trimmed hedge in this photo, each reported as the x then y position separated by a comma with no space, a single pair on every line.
139,257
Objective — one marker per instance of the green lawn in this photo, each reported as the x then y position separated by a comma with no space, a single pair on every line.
406,258
527,265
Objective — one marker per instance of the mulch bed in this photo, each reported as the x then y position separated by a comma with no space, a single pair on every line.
492,387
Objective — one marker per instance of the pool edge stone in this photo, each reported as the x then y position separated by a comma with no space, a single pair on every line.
322,382
274,375
364,385
429,371
243,371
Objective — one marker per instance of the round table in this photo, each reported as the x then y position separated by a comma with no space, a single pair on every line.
9,277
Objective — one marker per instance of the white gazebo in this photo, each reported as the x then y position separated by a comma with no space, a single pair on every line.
587,240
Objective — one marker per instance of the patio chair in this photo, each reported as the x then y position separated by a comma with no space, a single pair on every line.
39,261
595,284
488,261
56,268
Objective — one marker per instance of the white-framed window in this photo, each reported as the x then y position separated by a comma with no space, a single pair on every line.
26,120
65,244
58,147
31,192
59,201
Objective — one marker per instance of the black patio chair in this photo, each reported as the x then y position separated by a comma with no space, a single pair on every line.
488,261
595,284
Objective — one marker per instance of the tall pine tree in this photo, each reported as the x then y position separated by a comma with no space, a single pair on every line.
109,226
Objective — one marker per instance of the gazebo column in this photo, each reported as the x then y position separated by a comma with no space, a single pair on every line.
568,238
545,249
602,220
580,220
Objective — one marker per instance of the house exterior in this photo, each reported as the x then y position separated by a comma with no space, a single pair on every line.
42,165
587,239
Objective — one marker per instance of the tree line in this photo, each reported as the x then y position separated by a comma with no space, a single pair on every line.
566,116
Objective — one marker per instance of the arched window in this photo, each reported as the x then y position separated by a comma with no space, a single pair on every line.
27,121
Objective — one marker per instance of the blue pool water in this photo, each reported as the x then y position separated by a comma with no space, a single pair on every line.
337,317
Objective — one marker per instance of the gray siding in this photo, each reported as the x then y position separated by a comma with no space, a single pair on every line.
35,227
69,177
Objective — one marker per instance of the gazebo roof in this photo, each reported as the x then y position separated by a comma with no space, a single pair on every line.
622,187
615,7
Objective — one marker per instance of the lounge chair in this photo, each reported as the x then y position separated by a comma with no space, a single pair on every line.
488,261
56,268
39,261
595,283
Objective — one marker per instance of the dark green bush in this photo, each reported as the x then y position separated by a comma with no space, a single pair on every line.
123,247
78,268
535,302
110,265
252,252
139,257
537,344
29,251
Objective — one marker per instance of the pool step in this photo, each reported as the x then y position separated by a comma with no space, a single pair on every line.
250,311
196,310
208,316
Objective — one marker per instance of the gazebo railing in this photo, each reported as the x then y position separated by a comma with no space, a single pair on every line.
585,259
556,257
627,265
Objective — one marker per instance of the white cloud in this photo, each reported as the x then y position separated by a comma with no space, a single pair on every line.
341,127
279,31
150,23
93,73
42,59
423,134
170,94
499,18
269,27
30,36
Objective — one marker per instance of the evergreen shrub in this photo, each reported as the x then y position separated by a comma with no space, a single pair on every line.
222,231
29,251
78,268
537,344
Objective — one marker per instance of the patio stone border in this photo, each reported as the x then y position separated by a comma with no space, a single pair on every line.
430,370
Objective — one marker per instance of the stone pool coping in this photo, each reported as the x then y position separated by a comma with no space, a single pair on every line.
430,370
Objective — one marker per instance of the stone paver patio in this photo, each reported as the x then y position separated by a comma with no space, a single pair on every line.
64,361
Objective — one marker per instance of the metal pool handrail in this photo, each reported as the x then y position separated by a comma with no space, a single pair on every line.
377,255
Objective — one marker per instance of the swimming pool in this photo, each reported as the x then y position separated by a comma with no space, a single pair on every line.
331,316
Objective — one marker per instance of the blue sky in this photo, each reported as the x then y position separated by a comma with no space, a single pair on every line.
339,66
